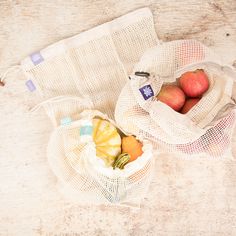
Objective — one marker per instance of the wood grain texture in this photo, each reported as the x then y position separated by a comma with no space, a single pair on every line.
187,197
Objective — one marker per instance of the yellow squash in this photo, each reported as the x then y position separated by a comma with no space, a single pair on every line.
107,140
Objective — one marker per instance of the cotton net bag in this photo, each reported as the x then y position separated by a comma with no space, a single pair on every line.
207,128
87,72
81,153
93,64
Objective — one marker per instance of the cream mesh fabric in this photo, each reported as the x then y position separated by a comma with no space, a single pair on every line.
85,177
62,107
207,128
87,72
95,63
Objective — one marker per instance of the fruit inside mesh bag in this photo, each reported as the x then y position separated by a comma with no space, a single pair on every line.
186,92
113,146
177,97
98,162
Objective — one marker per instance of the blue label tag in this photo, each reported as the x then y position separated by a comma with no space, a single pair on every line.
86,130
30,85
147,91
66,121
36,58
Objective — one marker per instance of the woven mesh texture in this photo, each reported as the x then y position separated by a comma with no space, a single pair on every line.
76,165
207,128
94,64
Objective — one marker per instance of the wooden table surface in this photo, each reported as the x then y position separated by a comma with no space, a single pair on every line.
187,197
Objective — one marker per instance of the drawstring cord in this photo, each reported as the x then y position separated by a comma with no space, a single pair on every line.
10,69
82,101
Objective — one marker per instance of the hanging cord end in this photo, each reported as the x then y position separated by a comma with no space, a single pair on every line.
234,64
1,83
10,69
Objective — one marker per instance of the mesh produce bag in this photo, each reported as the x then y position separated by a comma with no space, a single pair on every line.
85,177
207,128
88,71
93,64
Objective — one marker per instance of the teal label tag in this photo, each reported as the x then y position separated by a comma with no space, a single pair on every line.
86,130
66,121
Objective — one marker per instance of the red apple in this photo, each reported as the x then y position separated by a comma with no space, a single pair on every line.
194,83
172,96
189,104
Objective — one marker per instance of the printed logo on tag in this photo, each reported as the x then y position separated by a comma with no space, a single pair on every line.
86,130
147,91
36,58
30,85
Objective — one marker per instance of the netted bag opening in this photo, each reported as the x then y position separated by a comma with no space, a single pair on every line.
82,155
200,130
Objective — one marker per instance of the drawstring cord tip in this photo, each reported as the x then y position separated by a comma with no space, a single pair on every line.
10,69
1,83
